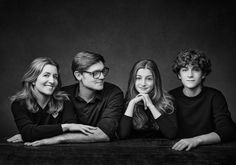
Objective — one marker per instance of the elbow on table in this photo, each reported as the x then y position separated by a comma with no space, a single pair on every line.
100,138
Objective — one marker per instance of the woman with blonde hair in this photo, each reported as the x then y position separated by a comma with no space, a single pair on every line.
150,110
40,108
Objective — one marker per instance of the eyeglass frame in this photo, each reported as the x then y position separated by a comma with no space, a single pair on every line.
99,72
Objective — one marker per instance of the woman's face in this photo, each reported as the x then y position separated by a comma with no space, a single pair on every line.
47,80
144,81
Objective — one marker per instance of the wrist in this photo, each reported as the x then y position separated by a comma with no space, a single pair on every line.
156,114
151,107
199,140
65,127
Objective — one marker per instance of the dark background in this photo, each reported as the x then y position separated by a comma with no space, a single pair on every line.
122,31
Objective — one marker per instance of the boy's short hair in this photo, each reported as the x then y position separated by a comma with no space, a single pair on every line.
192,57
83,60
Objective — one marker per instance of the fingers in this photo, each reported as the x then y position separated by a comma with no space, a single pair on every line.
88,130
33,144
179,146
145,103
15,139
142,97
11,139
189,147
91,127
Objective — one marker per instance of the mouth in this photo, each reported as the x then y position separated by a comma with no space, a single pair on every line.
50,86
100,83
143,89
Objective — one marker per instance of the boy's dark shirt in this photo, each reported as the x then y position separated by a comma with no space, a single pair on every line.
205,113
103,111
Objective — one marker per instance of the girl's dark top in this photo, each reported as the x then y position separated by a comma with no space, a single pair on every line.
205,113
39,125
166,126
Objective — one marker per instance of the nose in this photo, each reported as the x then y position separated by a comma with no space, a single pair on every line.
51,79
143,82
101,76
190,73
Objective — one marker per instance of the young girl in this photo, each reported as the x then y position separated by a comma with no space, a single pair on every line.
150,111
40,106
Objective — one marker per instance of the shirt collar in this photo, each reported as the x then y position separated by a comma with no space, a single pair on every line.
98,94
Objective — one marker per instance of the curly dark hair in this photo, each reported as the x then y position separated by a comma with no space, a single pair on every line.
192,57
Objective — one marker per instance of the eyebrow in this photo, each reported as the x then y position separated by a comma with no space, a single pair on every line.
145,76
96,70
50,73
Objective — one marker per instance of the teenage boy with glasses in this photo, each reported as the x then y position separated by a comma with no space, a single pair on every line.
96,103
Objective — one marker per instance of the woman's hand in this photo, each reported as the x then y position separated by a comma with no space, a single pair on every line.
85,129
186,144
15,139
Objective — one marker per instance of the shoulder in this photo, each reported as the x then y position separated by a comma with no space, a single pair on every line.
69,89
176,91
111,91
18,105
111,88
213,92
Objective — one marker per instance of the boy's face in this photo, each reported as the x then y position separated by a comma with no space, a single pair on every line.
87,79
191,76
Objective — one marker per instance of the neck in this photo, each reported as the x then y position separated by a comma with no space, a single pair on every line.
86,93
42,100
192,92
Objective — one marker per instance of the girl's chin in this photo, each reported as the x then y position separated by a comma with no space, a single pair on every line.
143,92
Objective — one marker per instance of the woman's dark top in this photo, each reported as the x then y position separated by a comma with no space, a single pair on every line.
205,113
166,126
39,125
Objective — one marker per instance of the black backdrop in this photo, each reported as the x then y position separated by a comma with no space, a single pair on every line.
122,31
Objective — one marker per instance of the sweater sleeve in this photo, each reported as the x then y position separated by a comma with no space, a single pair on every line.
225,127
112,113
168,125
126,127
29,130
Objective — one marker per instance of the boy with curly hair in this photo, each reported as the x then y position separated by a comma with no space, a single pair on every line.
202,112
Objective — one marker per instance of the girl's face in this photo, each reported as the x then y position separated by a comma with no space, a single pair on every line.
47,80
144,81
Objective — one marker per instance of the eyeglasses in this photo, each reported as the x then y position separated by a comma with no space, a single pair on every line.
97,73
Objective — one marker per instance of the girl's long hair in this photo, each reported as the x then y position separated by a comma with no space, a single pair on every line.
27,93
161,99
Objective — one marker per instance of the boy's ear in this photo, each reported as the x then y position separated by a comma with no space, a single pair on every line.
179,76
77,75
204,76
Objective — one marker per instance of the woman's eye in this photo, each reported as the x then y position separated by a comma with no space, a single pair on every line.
55,77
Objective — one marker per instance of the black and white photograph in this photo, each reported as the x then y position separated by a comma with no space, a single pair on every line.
121,82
